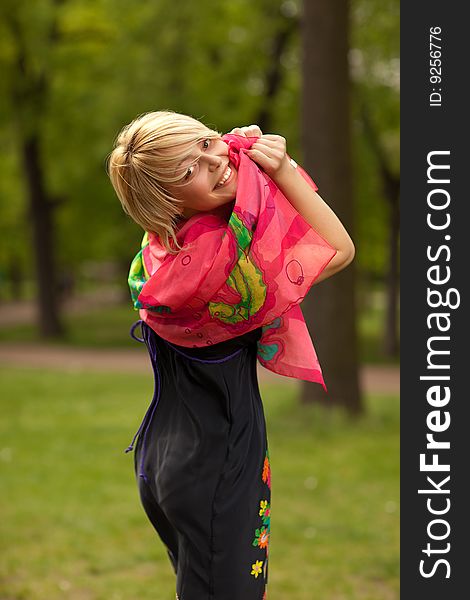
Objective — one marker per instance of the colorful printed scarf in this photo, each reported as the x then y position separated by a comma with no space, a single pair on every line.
234,277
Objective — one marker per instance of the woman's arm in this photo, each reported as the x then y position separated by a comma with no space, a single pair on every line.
319,215
269,151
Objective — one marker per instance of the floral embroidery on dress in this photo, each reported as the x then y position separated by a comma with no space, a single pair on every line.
267,471
263,504
256,568
265,513
261,538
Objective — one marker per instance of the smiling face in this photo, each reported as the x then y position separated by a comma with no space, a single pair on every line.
208,179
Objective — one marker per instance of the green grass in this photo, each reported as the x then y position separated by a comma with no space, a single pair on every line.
72,525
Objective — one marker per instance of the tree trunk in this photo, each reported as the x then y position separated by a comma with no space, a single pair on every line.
330,308
29,94
274,74
41,219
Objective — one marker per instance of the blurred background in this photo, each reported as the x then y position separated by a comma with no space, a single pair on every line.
74,386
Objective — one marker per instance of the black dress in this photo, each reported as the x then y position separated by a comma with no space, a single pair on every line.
202,467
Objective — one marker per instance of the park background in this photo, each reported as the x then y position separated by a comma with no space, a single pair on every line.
74,386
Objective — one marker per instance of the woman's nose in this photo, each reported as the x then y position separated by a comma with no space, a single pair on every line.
213,161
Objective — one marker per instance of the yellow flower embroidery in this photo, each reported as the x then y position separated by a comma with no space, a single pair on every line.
263,504
257,568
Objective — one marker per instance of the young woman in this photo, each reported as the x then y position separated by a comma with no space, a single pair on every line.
235,237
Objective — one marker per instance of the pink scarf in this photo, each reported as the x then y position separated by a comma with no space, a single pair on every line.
250,272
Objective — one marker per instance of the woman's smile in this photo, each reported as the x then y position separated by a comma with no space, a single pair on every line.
209,179
226,177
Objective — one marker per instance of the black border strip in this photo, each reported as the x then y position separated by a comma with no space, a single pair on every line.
438,134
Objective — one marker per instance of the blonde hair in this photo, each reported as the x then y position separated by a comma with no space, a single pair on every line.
144,159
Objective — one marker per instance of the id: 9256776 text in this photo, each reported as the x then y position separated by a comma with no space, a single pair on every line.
435,66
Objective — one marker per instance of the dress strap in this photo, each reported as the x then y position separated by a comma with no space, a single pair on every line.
132,330
151,346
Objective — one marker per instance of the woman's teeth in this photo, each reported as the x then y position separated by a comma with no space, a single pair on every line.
227,174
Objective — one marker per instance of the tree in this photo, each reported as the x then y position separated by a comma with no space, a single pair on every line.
29,89
375,72
51,56
391,190
111,60
326,133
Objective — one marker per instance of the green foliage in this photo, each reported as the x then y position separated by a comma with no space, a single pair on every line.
105,62
72,525
374,61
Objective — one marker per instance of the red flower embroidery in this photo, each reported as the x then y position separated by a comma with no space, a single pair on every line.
267,472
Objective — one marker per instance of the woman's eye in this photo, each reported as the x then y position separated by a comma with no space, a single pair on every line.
188,173
206,144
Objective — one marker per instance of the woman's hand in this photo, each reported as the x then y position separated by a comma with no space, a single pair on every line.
269,151
249,131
